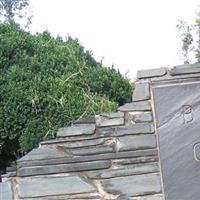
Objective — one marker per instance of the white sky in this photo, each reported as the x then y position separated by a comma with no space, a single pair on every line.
131,34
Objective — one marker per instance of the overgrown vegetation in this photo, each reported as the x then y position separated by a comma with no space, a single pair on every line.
45,83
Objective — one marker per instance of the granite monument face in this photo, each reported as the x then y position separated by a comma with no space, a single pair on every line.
177,110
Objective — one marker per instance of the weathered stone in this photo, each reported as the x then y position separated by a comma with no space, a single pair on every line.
125,171
44,153
133,129
133,117
51,186
6,191
141,91
113,115
64,168
104,121
85,120
133,185
11,168
76,130
92,150
128,143
151,73
136,106
136,160
185,69
150,197
108,156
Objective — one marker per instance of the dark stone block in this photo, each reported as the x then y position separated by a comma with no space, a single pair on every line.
136,106
141,91
185,69
151,73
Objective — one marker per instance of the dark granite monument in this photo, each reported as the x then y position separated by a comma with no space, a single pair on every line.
148,150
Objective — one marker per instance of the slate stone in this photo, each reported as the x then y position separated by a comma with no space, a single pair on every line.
85,120
142,160
141,91
113,115
185,69
125,171
139,117
11,168
178,132
76,130
64,168
92,150
136,106
103,121
150,197
44,153
128,143
151,73
133,185
49,186
108,156
133,129
6,191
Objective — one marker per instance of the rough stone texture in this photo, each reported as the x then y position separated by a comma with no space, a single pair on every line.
6,191
128,143
46,186
85,120
104,121
141,91
76,130
136,106
56,169
132,117
151,73
185,69
132,170
133,185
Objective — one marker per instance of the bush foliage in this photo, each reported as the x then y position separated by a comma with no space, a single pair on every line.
47,82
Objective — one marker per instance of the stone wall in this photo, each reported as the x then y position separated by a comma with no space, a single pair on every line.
104,157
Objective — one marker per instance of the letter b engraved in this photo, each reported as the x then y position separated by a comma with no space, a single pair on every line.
187,114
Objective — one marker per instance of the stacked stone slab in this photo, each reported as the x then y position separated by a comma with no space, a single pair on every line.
109,156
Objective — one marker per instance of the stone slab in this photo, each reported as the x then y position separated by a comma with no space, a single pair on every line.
6,191
76,130
104,121
150,197
128,143
151,73
44,153
140,117
51,186
136,106
178,133
112,115
133,185
141,91
125,171
85,120
64,168
140,128
185,69
108,156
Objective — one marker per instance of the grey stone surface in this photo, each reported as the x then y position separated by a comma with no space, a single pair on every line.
44,153
104,121
133,129
186,69
108,156
139,117
64,168
76,130
141,91
134,185
6,191
178,131
113,115
150,197
49,186
128,143
85,120
125,171
136,106
151,73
